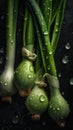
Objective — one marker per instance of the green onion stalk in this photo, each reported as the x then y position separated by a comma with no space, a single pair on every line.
24,76
7,88
58,107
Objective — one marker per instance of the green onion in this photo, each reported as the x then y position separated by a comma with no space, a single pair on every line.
24,76
58,106
6,79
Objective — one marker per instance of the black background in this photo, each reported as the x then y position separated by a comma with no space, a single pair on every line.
16,116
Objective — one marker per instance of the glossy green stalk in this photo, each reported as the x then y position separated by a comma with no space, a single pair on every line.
45,8
29,32
10,43
46,44
58,25
6,79
55,8
25,26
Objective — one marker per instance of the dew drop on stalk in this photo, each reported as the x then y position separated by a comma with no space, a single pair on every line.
46,43
58,109
1,82
10,35
54,108
57,30
42,98
67,46
12,42
50,52
65,59
8,26
57,24
48,68
46,33
71,81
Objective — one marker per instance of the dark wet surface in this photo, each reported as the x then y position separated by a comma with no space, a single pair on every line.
15,116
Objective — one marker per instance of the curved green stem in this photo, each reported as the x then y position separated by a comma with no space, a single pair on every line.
58,25
55,10
25,26
28,32
46,44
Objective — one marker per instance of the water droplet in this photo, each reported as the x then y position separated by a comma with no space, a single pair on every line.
29,76
42,98
50,52
54,108
10,35
2,17
2,50
8,26
12,42
1,60
50,106
46,43
58,108
6,58
59,75
1,82
71,81
67,45
62,93
57,24
5,83
48,68
48,8
15,119
46,33
65,59
57,30
30,68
